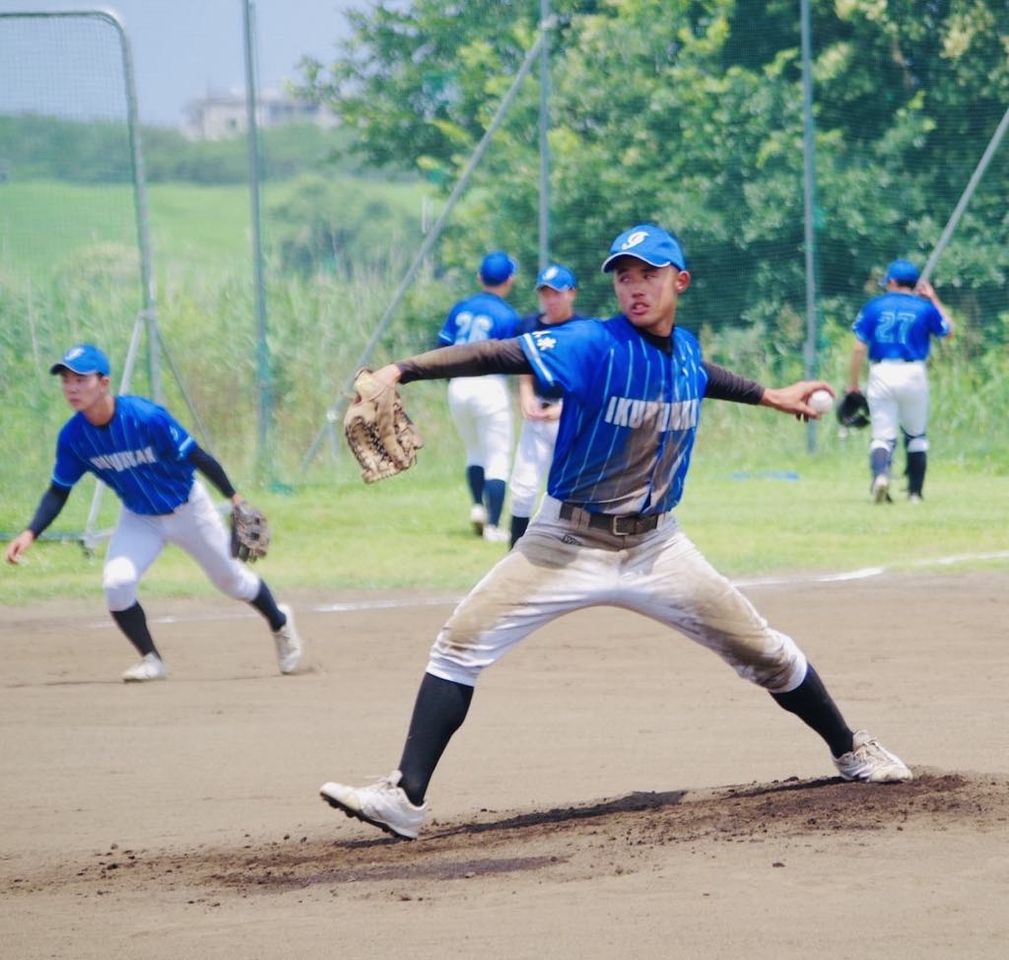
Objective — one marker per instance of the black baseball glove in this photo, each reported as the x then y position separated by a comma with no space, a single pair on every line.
853,410
250,532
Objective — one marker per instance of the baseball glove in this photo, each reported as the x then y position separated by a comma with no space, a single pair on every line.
250,532
379,432
853,410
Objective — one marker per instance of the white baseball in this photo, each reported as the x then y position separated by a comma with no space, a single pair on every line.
821,401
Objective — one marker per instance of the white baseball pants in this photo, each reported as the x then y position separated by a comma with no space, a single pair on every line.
532,461
559,566
481,409
898,399
195,526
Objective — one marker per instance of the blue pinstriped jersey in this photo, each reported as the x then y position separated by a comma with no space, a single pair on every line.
899,326
140,454
484,316
630,413
531,323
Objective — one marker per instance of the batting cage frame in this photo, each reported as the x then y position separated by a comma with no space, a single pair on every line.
146,320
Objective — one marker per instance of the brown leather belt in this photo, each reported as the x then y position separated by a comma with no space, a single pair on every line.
621,525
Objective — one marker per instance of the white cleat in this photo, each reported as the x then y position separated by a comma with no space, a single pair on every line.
881,489
494,534
150,668
478,517
870,762
383,804
290,649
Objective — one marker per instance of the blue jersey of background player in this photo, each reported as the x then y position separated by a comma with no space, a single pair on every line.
141,454
485,315
899,325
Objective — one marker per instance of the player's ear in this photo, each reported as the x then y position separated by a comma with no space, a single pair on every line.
682,281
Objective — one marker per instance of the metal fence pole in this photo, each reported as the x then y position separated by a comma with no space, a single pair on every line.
544,211
263,380
809,201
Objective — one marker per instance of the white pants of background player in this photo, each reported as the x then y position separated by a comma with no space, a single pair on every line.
565,565
481,409
532,462
898,400
195,526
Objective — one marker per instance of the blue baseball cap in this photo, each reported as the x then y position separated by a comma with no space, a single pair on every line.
557,278
496,267
903,271
84,358
650,243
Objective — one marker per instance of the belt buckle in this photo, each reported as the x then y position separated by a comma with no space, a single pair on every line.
623,526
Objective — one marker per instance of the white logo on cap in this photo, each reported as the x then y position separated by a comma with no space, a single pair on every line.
75,353
634,239
550,274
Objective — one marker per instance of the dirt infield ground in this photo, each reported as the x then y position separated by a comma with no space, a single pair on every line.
614,792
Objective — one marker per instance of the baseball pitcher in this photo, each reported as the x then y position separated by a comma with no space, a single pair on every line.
633,390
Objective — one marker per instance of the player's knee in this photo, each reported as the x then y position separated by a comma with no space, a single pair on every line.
119,581
781,668
917,444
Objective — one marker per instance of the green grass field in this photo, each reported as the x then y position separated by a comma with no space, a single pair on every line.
755,515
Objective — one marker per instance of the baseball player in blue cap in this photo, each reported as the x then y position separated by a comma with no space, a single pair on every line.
556,289
606,534
481,408
895,331
148,459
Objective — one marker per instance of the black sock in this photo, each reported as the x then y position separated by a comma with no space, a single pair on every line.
267,606
439,711
494,493
133,622
916,464
814,706
474,480
519,527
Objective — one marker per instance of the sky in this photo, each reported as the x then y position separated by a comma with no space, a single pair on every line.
184,49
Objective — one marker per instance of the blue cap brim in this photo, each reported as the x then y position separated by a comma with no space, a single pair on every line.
606,268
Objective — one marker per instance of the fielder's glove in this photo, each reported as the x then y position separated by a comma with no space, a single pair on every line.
379,433
853,410
250,532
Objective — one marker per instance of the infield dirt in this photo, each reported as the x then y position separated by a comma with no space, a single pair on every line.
614,791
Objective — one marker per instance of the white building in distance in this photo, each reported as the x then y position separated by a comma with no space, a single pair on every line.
219,116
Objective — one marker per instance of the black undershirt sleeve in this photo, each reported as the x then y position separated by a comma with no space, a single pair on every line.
49,508
725,385
466,360
212,470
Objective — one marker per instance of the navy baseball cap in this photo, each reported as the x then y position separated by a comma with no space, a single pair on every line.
557,278
903,271
650,243
496,267
84,358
